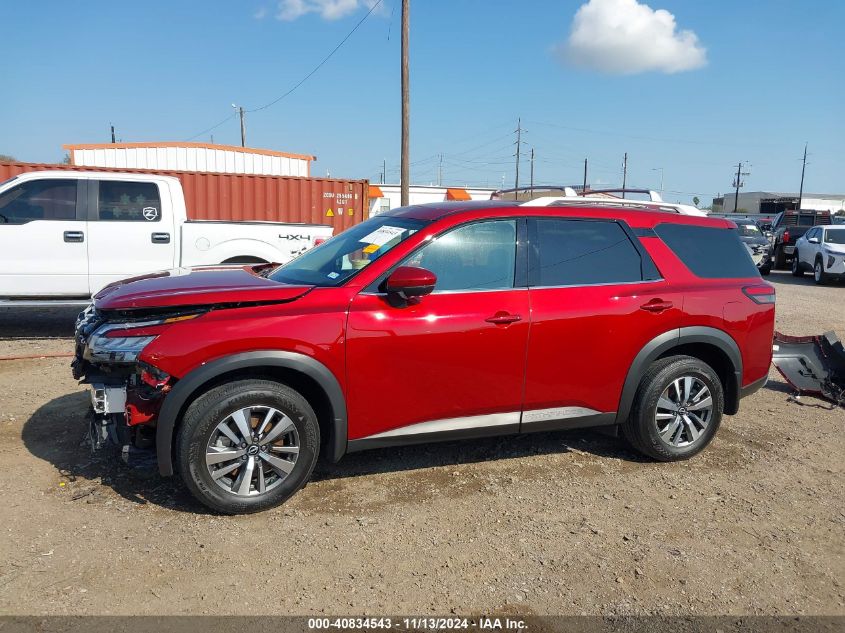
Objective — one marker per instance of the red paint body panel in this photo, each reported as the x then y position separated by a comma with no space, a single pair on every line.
312,325
245,197
583,340
195,288
434,359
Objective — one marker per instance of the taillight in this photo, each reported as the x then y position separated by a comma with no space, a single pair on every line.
760,294
786,235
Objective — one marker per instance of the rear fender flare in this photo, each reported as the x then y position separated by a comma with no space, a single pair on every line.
182,391
663,343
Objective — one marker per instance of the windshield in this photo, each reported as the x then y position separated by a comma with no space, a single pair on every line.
748,230
834,236
336,260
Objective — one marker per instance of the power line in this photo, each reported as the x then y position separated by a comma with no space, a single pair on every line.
213,127
322,63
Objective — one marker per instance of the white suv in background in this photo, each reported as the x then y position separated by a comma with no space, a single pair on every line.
822,250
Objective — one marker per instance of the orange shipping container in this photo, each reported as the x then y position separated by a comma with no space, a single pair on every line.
236,197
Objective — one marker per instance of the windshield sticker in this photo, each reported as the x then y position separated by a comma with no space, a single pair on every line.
333,275
382,235
372,248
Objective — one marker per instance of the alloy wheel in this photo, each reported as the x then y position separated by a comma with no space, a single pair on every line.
684,411
252,450
817,271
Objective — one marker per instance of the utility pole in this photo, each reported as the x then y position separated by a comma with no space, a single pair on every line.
584,188
803,168
518,143
243,124
405,167
112,134
624,173
532,168
383,170
440,172
738,183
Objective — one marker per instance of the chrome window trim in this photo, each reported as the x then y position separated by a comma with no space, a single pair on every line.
610,283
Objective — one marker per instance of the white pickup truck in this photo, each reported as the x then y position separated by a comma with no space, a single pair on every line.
64,235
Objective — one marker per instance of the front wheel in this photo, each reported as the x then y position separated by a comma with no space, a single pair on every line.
819,275
677,410
247,445
797,271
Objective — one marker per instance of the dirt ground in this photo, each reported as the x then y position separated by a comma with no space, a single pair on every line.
558,523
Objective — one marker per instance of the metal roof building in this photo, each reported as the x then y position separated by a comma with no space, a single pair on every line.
773,202
184,156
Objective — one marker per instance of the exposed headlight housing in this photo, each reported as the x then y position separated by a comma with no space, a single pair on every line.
123,342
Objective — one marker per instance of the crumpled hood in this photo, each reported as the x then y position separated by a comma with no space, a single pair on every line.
206,286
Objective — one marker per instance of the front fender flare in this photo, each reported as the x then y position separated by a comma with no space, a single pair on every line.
663,343
178,397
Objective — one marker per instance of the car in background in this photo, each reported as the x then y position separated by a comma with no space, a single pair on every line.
758,246
822,250
790,225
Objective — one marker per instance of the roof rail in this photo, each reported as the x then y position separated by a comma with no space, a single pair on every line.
513,193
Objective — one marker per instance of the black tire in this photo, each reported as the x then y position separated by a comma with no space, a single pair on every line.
201,420
766,270
780,257
819,275
797,271
641,427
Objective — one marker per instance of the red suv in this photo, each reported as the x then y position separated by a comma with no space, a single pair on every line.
432,322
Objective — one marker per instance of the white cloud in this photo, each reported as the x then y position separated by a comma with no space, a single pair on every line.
327,9
626,37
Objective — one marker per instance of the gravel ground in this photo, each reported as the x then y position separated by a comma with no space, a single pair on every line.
558,523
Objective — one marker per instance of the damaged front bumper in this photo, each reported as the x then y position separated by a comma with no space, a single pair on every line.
126,394
812,364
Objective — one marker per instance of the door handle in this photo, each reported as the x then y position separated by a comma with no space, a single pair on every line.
161,238
656,305
503,318
74,236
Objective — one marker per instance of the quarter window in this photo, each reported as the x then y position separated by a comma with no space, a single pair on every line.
709,252
479,256
129,202
584,252
39,200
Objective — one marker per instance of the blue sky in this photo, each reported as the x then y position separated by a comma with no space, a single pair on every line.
755,81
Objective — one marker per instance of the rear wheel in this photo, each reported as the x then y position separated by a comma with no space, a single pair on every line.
819,275
780,257
677,410
247,445
797,271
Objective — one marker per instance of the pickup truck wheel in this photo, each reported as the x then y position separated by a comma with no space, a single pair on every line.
797,271
780,257
677,410
247,445
244,259
819,275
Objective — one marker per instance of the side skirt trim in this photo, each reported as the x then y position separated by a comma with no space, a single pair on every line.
485,426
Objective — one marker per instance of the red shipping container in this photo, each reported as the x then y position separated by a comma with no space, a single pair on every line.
235,197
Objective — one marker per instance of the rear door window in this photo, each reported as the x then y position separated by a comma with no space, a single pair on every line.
128,202
53,199
585,252
709,252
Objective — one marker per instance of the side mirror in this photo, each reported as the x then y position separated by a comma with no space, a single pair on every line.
813,240
407,282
